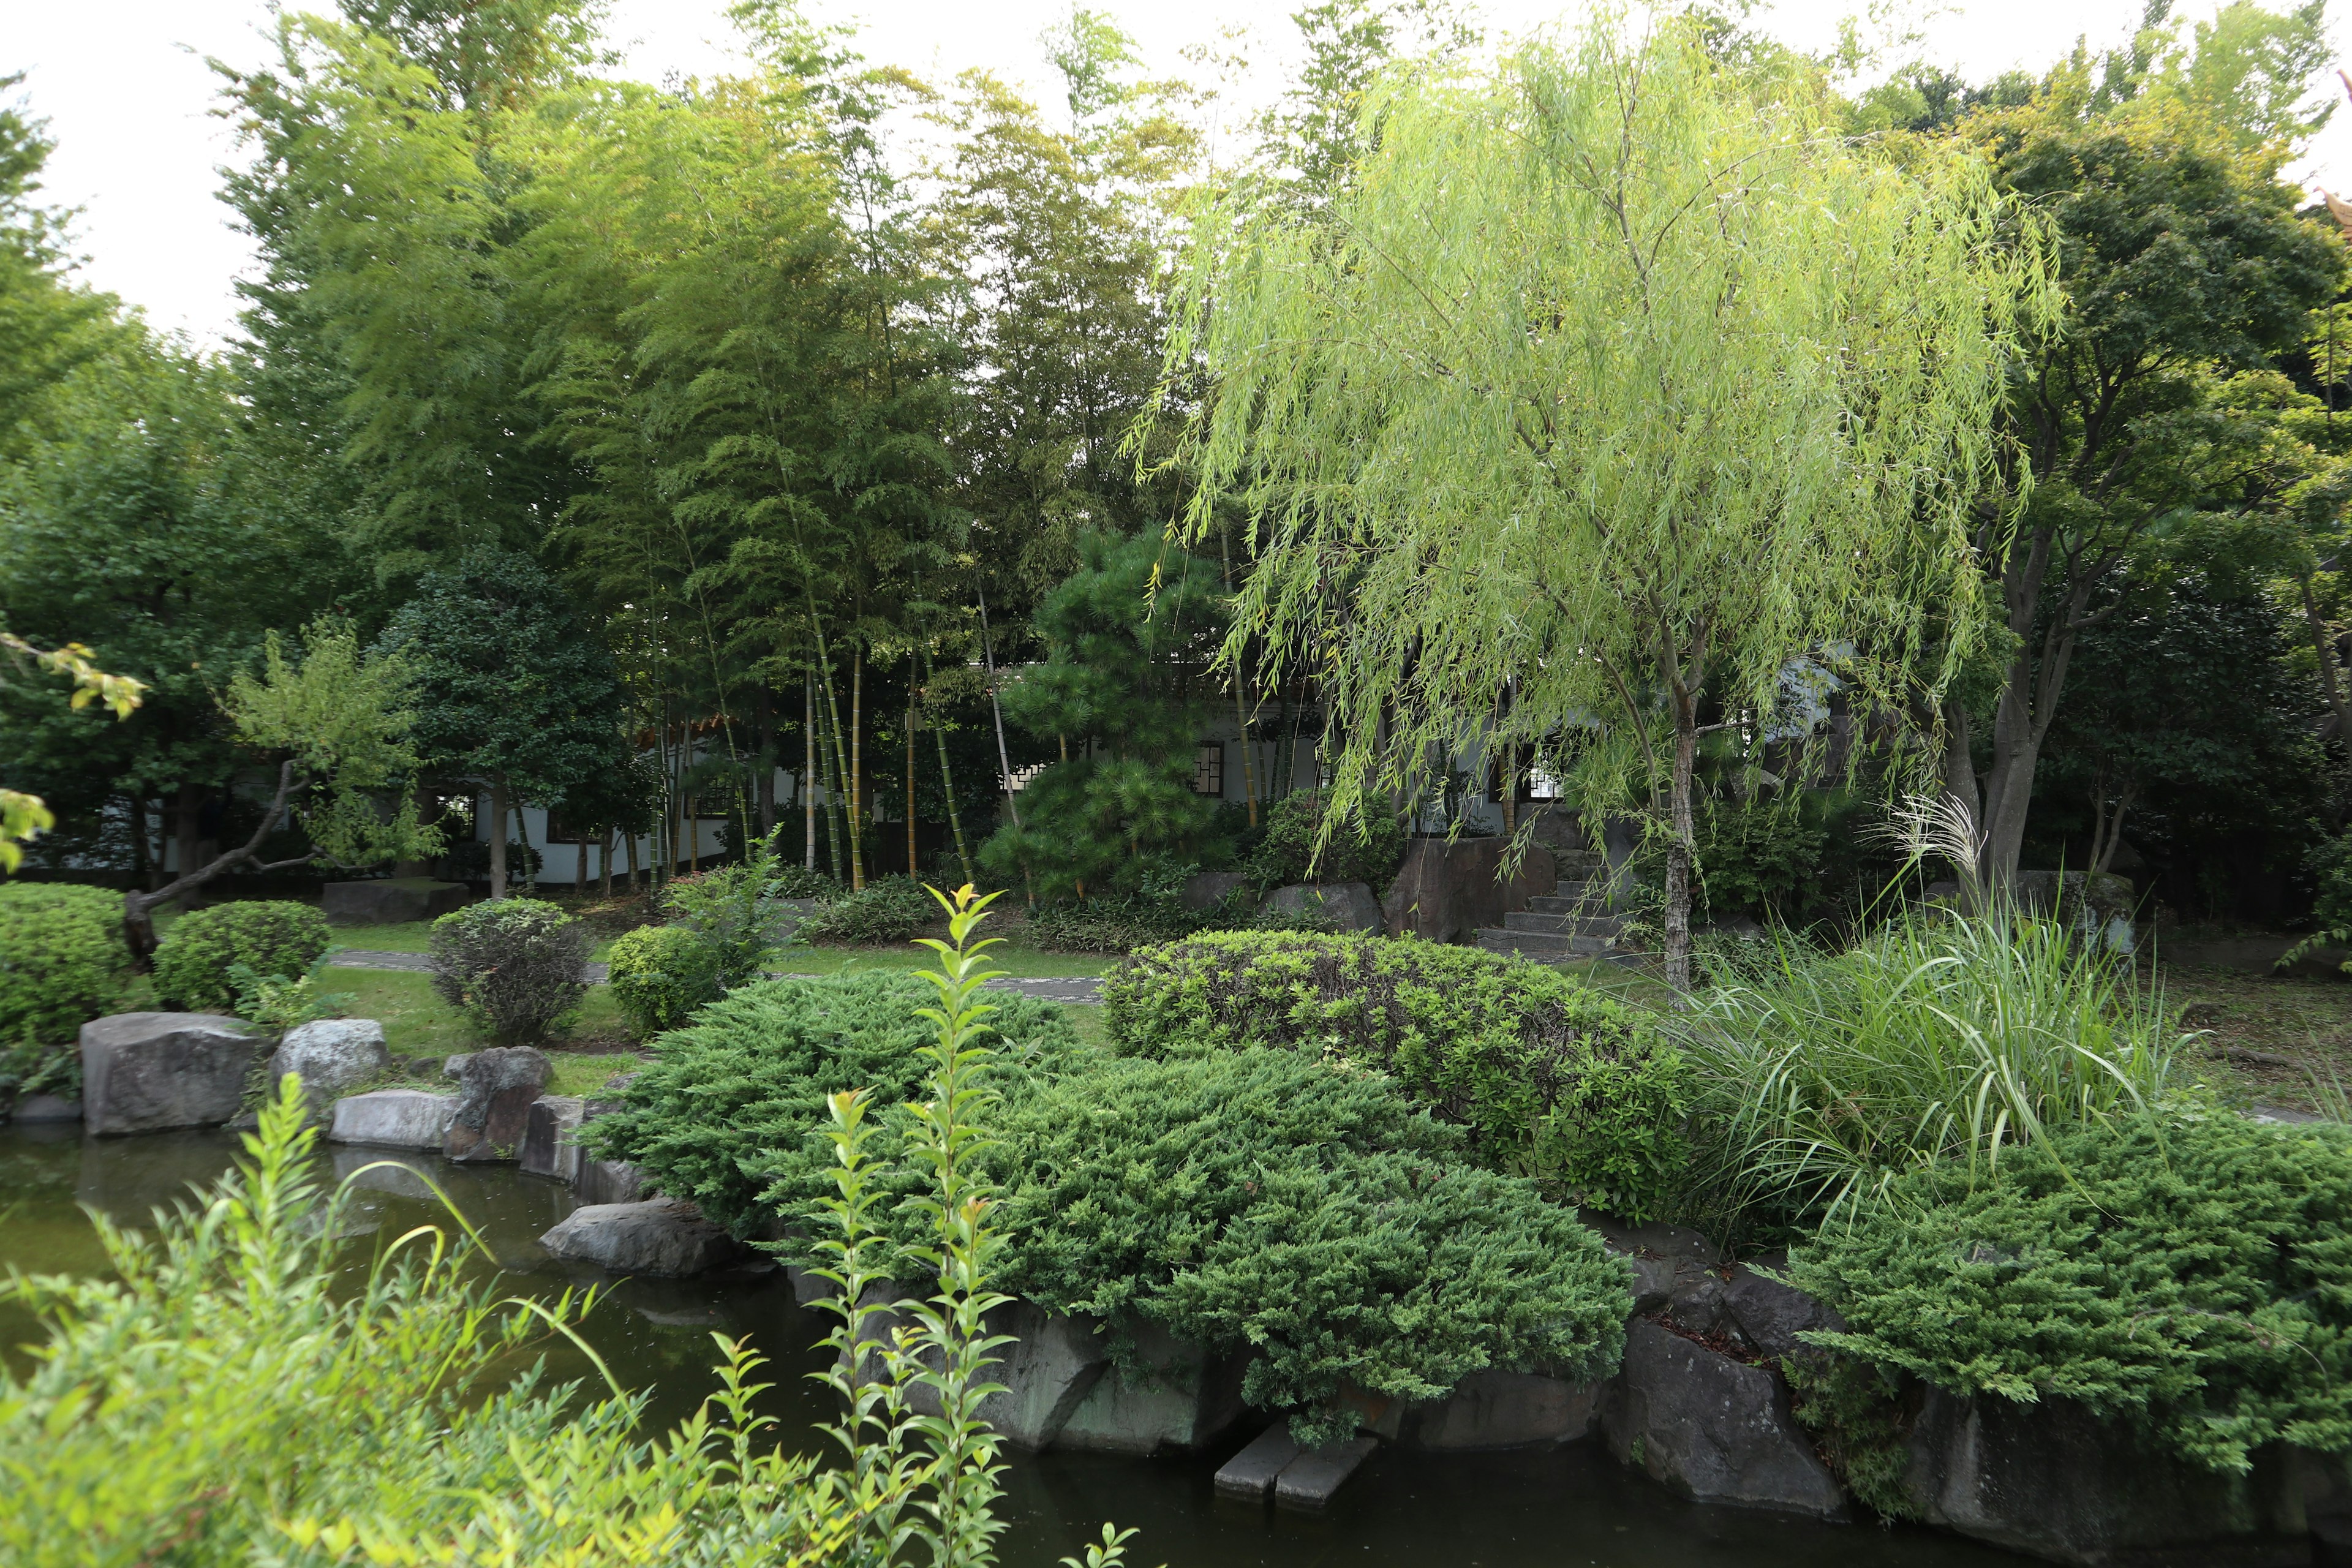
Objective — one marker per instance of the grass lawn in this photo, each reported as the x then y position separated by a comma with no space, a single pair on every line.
417,1023
408,936
2284,1041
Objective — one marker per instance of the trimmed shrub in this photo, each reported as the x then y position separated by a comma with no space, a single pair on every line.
1267,1202
1550,1078
888,910
272,938
1285,853
513,965
731,1112
2192,1278
661,973
62,960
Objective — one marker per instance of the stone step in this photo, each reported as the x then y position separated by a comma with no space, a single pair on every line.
1251,1473
1538,948
1534,922
1310,1480
1571,897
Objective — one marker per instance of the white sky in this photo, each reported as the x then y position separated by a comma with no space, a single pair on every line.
124,88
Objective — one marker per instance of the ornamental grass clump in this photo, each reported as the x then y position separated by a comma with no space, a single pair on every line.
1935,1036
1550,1078
2189,1275
514,966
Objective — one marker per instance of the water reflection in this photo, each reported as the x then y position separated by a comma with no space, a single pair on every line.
1564,1508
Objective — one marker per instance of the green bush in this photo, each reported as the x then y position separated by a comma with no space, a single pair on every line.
1552,1079
270,937
1356,852
1267,1202
62,962
736,912
661,973
514,966
2191,1277
888,910
730,1111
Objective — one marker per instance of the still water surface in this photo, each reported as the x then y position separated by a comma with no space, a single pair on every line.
1565,1508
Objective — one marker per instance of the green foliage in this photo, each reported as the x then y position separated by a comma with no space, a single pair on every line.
1827,1076
2191,1276
730,1111
1113,924
1267,1201
62,962
273,938
797,881
1357,851
240,1389
1787,858
887,909
659,974
1125,685
737,915
1550,1079
512,966
277,1003
2329,865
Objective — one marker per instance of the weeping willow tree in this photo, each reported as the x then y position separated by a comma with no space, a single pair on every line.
1609,389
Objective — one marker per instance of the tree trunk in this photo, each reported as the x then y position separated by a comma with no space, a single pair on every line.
144,869
910,770
1249,768
947,780
188,827
499,837
604,862
856,769
633,865
1678,850
139,907
2331,669
579,863
765,757
808,767
1004,757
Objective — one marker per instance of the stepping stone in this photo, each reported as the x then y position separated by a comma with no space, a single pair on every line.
1251,1473
1310,1480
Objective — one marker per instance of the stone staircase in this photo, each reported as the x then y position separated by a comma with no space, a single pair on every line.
1573,923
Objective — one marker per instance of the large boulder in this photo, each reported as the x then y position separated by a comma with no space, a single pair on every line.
2052,1480
1052,1363
551,1145
1204,891
1447,891
150,1072
666,1236
333,1057
1504,1410
495,1092
1713,1428
1341,906
393,1119
609,1182
1187,1399
391,900
1769,1314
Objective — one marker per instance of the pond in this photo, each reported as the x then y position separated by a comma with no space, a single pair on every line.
1563,1508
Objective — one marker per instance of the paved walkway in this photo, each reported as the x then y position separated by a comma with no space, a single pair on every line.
1082,990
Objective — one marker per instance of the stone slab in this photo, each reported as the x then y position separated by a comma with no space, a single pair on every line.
550,1137
1494,1409
330,1056
1054,1361
152,1072
1713,1428
496,1089
1252,1472
609,1182
1187,1401
1313,1479
1204,891
393,1119
1447,891
1341,906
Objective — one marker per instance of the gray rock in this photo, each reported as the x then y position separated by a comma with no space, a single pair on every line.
393,1119
550,1137
391,900
2053,1480
1768,1314
1447,891
427,1067
1311,1480
1713,1429
150,1072
1186,1401
333,1056
666,1236
809,1286
1341,906
496,1089
609,1182
1206,890
1251,1473
1053,1364
1494,1409
1668,1263
41,1108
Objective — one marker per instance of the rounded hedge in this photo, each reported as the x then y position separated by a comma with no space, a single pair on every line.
62,960
270,937
512,966
1552,1079
660,974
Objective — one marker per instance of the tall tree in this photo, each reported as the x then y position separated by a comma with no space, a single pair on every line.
1644,390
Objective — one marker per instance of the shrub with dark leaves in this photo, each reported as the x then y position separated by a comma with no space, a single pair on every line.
888,910
512,966
272,938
